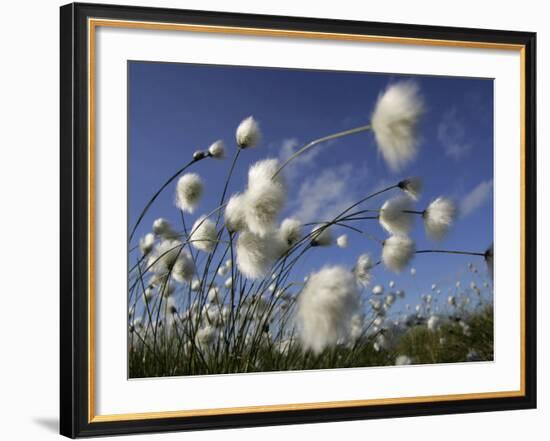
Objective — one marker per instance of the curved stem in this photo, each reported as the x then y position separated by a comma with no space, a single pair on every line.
412,211
467,253
226,186
319,141
156,195
359,231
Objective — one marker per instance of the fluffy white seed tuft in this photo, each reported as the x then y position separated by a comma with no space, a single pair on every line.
248,133
433,323
362,269
394,121
326,307
321,236
164,256
217,150
196,285
146,243
290,231
256,254
189,190
163,229
395,217
402,360
264,197
203,234
184,267
235,213
439,217
397,252
342,241
412,187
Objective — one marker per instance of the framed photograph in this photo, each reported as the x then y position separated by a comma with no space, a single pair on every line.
275,220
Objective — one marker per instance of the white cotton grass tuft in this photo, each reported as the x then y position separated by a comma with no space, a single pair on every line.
158,279
196,285
203,234
290,232
342,241
189,190
394,121
214,294
397,252
403,360
433,323
357,327
248,133
146,243
264,197
148,295
184,267
256,254
223,270
321,235
394,215
205,336
325,308
378,290
235,213
412,187
362,269
217,150
439,217
163,229
164,256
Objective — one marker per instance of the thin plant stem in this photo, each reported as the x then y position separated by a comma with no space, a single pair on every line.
156,195
466,253
319,141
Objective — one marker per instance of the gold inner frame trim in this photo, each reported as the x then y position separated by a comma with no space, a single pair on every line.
92,25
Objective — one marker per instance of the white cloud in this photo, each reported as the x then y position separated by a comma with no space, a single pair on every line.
326,194
452,135
476,198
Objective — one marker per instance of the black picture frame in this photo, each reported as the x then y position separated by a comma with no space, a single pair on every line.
74,411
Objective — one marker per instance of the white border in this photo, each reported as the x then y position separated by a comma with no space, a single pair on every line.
115,394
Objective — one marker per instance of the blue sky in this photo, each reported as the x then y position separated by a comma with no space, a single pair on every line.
175,109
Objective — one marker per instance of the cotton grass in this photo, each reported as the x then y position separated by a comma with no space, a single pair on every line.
395,215
264,197
325,308
189,191
217,150
394,122
256,254
146,243
362,269
397,252
248,133
203,234
439,217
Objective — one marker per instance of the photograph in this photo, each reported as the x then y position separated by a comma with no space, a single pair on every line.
295,219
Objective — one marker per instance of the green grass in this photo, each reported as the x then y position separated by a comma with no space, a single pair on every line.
448,344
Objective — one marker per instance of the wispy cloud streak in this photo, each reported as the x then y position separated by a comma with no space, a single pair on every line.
476,198
452,135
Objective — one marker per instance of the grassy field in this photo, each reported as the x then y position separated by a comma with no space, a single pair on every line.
454,340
